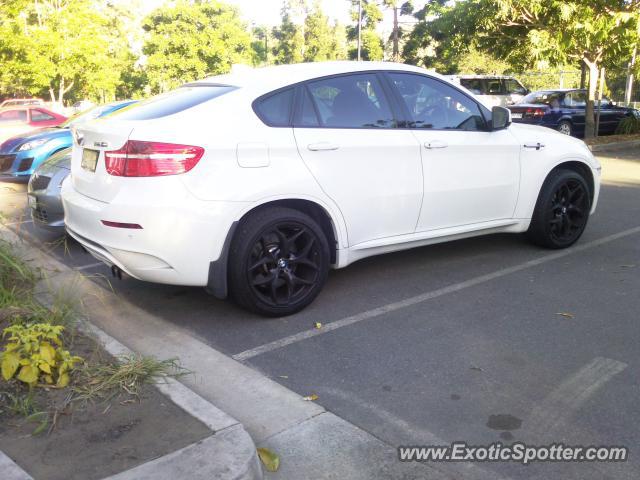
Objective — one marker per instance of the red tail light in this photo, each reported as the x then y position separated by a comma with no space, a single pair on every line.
535,112
151,159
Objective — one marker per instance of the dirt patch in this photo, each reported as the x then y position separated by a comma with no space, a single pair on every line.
87,441
603,140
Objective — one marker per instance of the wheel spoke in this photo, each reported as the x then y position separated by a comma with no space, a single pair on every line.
264,279
263,261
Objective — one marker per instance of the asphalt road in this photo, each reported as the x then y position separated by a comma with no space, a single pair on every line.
481,340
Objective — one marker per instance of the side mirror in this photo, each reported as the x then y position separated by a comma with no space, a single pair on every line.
500,118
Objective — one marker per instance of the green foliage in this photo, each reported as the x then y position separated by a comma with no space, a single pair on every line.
372,45
628,126
34,353
187,41
60,47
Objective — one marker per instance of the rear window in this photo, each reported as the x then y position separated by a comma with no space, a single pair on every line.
543,98
172,102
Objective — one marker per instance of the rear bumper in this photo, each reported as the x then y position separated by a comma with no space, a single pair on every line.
176,244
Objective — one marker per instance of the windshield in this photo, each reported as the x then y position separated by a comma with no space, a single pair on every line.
543,98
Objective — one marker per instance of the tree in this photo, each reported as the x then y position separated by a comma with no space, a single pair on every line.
371,48
59,46
318,36
290,37
190,40
527,32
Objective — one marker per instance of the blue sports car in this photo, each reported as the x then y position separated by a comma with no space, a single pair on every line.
564,110
21,155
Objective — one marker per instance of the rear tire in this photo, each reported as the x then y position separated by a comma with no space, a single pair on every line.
278,261
562,210
565,127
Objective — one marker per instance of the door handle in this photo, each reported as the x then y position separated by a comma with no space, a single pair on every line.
322,146
537,146
431,144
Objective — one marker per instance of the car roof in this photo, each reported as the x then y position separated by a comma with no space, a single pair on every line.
273,77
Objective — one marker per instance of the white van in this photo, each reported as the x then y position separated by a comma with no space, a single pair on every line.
493,90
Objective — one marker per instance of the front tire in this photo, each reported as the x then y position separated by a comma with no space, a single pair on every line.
562,210
278,261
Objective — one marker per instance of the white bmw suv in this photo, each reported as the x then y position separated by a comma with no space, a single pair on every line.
254,184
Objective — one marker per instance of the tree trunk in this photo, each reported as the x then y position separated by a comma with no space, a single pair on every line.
589,124
52,94
396,40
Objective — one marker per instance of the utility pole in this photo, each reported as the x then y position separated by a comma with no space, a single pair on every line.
629,88
359,29
396,46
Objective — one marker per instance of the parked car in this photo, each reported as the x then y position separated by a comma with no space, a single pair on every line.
17,102
493,89
564,111
18,120
43,191
255,183
21,155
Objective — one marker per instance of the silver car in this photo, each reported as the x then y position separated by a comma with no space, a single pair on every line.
44,191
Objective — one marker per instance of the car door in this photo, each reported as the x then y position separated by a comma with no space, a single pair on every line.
471,174
346,133
574,105
40,118
13,122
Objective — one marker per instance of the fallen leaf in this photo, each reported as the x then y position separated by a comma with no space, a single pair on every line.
477,369
311,398
627,266
270,460
318,325
565,314
283,376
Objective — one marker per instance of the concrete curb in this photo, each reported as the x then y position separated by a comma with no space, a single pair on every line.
614,145
229,453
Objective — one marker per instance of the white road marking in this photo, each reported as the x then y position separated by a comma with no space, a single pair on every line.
549,418
10,470
408,302
87,267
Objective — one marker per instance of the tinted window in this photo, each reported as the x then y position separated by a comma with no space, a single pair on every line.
513,86
494,86
351,101
275,110
40,116
13,116
435,105
172,102
474,85
308,115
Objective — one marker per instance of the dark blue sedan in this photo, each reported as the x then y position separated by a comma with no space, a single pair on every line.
21,155
564,110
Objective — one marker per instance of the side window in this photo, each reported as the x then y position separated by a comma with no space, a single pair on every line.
513,86
494,87
351,101
435,105
13,116
474,85
40,116
308,114
575,100
275,110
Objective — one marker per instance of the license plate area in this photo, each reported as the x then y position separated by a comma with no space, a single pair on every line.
516,115
89,159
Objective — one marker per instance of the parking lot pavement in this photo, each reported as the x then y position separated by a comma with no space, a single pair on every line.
481,340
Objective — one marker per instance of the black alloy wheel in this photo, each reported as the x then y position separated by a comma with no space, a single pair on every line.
278,261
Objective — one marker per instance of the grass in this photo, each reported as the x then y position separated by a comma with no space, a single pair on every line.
129,374
98,379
